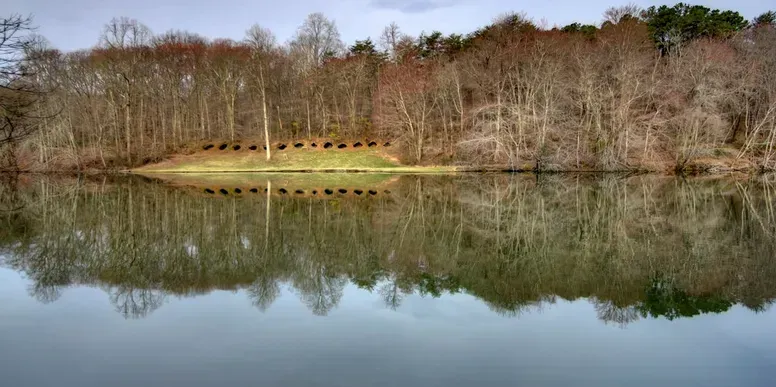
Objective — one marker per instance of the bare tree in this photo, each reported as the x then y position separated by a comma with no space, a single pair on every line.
124,32
262,43
615,15
18,93
407,104
389,40
261,39
316,38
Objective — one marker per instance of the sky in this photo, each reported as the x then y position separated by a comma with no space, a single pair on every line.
76,24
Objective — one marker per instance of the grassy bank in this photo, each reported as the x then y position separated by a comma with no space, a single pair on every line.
381,160
304,160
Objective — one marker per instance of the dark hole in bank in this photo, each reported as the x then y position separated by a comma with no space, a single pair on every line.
236,147
265,147
210,191
208,146
372,192
254,190
265,189
222,147
299,192
282,146
328,191
315,192
237,191
387,144
223,191
298,145
372,143
357,145
342,191
314,145
342,146
387,192
358,192
327,145
283,191
253,147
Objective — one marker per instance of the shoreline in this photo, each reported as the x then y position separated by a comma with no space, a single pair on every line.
396,170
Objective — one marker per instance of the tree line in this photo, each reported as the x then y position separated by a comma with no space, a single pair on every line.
652,88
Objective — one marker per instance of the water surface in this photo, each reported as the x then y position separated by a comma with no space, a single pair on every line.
335,280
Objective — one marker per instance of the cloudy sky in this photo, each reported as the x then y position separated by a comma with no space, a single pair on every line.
74,24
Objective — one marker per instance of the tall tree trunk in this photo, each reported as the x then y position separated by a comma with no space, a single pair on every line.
128,130
264,108
307,100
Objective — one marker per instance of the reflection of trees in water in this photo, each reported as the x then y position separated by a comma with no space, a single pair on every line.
664,299
610,313
45,293
515,242
321,292
391,294
263,292
135,303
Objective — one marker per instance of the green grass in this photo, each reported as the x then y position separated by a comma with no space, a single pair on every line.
365,160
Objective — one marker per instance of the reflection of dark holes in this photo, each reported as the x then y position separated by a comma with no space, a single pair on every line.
315,192
210,191
282,146
327,145
342,191
314,145
342,146
371,144
328,191
358,192
357,145
223,191
208,146
299,192
253,147
372,192
236,147
387,191
222,147
254,190
283,191
237,191
387,144
299,145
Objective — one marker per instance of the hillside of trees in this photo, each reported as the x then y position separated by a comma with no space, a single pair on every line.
659,88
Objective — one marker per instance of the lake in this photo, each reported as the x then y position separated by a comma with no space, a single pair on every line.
387,280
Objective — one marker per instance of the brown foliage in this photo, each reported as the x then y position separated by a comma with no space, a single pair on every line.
510,95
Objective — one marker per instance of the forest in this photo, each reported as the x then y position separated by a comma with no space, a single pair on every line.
661,88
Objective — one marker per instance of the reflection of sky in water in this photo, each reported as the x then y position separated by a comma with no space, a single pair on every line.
221,339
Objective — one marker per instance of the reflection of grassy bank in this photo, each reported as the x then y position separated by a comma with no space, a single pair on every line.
316,185
303,180
639,246
295,180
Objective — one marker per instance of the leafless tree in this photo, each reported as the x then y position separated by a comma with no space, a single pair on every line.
124,32
263,46
389,40
19,94
316,38
615,15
